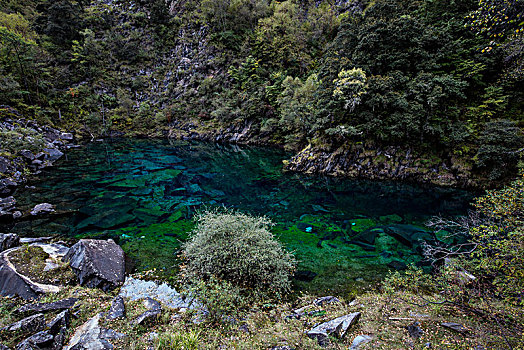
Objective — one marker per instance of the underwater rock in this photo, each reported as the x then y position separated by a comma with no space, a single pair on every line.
304,275
407,234
398,265
338,327
107,220
97,263
43,208
8,241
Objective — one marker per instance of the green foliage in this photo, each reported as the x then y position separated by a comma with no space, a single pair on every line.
350,85
13,141
240,249
177,341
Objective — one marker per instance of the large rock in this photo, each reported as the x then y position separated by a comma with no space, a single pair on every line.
40,340
29,324
90,336
43,307
338,327
97,263
136,289
8,241
53,153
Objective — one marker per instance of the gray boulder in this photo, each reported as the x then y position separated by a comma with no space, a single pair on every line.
37,341
43,208
90,336
53,153
97,263
337,327
359,340
43,307
8,241
117,309
29,324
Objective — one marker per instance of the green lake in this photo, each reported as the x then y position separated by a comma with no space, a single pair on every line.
345,233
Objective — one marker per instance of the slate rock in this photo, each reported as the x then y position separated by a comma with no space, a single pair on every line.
148,315
414,330
151,304
8,241
7,203
59,340
43,307
11,284
29,324
66,136
90,336
457,327
359,340
338,327
4,165
53,153
27,154
117,309
304,275
326,300
43,208
97,263
7,187
60,321
36,342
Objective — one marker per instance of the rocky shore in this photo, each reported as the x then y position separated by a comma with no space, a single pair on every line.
25,148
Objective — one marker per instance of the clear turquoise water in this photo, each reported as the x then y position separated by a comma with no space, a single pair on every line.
143,194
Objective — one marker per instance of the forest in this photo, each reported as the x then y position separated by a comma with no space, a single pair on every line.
439,76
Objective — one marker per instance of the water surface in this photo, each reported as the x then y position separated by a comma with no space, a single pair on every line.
143,194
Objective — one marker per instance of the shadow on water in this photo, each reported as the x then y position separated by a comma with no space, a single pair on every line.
143,193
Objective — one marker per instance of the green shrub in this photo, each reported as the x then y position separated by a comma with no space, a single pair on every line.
240,249
13,141
177,341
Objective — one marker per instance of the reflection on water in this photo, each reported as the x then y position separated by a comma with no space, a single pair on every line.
143,194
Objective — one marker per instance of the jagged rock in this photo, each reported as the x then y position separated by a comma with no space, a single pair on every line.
326,300
43,208
27,154
136,289
7,203
151,304
148,315
53,153
359,340
7,187
4,165
43,307
66,136
414,330
36,342
457,327
12,284
8,241
3,347
29,324
97,263
60,321
59,339
338,327
90,336
117,309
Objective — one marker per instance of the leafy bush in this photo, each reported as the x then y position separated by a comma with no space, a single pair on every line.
240,249
13,141
177,341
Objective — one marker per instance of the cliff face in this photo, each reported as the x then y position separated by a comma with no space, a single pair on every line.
385,163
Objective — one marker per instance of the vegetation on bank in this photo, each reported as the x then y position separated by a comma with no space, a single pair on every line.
440,76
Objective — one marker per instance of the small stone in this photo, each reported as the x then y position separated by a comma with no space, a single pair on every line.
414,330
151,304
359,340
117,309
148,315
326,300
455,327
